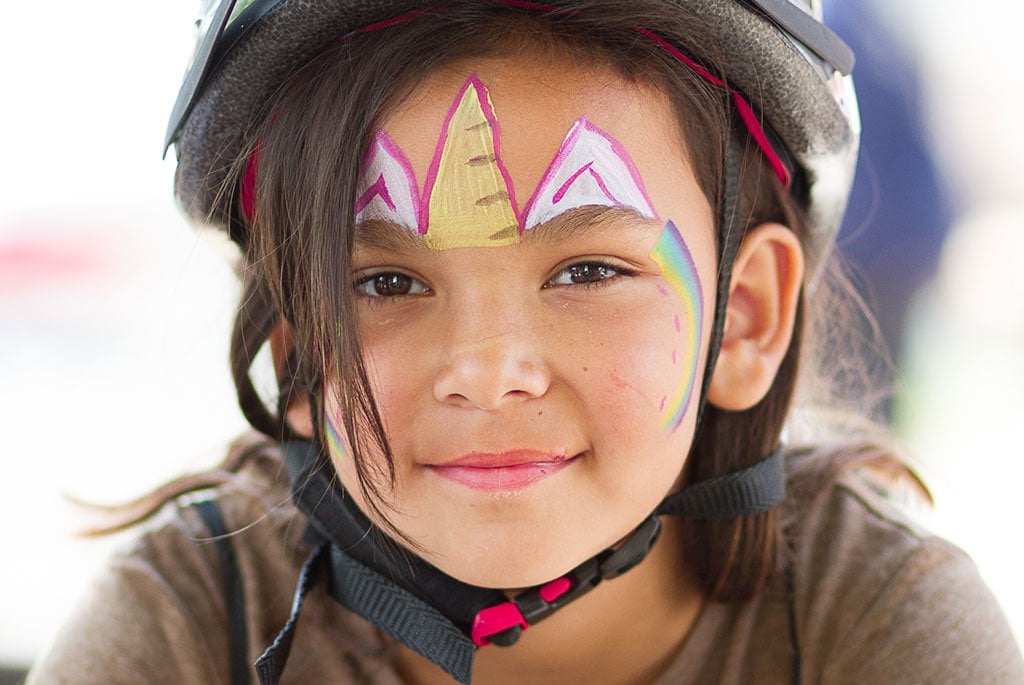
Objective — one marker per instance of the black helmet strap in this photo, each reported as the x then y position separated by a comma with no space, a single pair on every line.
444,619
730,236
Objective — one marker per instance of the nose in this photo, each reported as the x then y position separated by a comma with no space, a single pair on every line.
490,362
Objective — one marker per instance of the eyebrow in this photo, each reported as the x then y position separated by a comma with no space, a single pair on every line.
386,236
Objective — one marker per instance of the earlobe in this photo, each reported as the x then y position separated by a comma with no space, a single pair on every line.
763,297
299,417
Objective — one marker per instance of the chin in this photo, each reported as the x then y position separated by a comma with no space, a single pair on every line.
508,574
517,563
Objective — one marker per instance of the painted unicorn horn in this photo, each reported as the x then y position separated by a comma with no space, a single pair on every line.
470,201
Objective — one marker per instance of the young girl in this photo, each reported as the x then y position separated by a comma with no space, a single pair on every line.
534,276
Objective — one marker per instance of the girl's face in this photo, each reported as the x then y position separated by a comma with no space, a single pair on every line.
533,258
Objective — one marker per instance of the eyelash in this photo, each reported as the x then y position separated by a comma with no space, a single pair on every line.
609,273
616,272
363,285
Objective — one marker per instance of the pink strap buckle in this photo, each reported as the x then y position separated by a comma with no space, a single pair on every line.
494,620
555,589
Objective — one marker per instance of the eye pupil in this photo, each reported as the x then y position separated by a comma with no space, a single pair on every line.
392,284
589,273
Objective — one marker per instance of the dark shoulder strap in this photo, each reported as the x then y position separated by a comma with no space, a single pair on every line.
234,598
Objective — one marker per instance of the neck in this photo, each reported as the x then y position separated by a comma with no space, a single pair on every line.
654,605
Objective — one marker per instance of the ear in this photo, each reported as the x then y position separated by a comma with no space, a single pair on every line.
763,296
298,415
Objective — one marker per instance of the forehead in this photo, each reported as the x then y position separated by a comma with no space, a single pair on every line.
537,98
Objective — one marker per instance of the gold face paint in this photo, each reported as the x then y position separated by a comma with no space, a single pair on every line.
470,201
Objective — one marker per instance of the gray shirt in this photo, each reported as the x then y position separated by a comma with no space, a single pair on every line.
876,599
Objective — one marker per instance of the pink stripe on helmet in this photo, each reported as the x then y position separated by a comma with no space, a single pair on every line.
744,109
248,191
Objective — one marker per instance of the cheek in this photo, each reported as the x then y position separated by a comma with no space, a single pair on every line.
646,367
400,386
396,352
640,446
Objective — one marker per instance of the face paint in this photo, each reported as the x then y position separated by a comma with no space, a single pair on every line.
590,168
391,194
470,201
334,439
676,263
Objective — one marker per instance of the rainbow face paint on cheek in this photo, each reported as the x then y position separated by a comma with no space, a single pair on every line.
678,268
334,439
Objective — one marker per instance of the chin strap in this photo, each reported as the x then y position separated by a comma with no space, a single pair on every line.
444,619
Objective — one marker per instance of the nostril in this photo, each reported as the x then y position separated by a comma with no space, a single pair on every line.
489,379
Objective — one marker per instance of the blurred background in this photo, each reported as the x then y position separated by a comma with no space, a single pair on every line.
114,313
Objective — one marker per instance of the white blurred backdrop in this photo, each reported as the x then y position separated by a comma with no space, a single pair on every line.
114,313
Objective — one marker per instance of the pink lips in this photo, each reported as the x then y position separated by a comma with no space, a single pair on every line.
512,470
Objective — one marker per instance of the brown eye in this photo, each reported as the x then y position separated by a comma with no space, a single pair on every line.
586,273
390,284
589,273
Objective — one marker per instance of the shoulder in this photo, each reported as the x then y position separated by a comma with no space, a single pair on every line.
878,598
157,613
250,512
